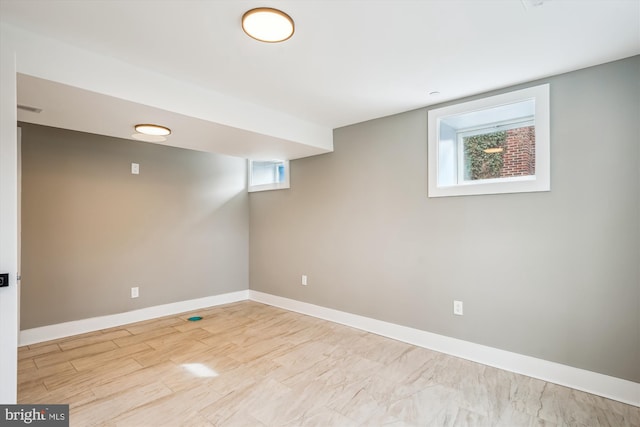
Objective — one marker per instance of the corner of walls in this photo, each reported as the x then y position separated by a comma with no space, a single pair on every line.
548,275
66,329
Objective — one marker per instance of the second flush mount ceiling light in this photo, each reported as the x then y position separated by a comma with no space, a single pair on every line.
151,133
268,25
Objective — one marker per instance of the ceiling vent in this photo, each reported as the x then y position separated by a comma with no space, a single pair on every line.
30,109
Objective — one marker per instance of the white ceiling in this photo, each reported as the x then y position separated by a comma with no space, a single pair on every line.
349,60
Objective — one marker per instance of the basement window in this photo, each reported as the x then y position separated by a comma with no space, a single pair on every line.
268,175
493,145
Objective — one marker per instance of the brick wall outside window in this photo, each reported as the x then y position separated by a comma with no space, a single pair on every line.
519,157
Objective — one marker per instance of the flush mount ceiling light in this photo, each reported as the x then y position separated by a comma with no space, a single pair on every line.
153,130
268,25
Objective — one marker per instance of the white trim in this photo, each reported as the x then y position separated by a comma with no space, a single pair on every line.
61,330
579,379
541,181
9,303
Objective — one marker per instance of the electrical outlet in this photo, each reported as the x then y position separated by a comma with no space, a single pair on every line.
135,292
135,168
304,280
458,308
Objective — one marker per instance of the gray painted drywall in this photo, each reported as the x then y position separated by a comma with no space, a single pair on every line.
553,275
91,230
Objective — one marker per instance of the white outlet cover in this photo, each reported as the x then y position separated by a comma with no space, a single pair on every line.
458,308
135,292
135,168
304,280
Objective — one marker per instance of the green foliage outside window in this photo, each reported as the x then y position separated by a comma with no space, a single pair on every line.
480,164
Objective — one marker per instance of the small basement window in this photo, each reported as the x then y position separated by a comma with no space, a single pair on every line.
498,144
268,175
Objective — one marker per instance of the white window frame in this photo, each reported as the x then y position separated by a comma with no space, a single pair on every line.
539,182
271,186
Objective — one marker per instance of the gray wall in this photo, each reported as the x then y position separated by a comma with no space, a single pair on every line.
552,275
91,230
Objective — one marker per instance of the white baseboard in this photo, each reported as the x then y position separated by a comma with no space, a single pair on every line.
579,379
61,330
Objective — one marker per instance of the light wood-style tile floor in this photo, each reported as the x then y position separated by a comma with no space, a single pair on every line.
249,364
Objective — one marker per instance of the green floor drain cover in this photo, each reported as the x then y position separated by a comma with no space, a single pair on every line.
194,318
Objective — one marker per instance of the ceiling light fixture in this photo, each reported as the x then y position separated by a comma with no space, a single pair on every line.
154,130
268,25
